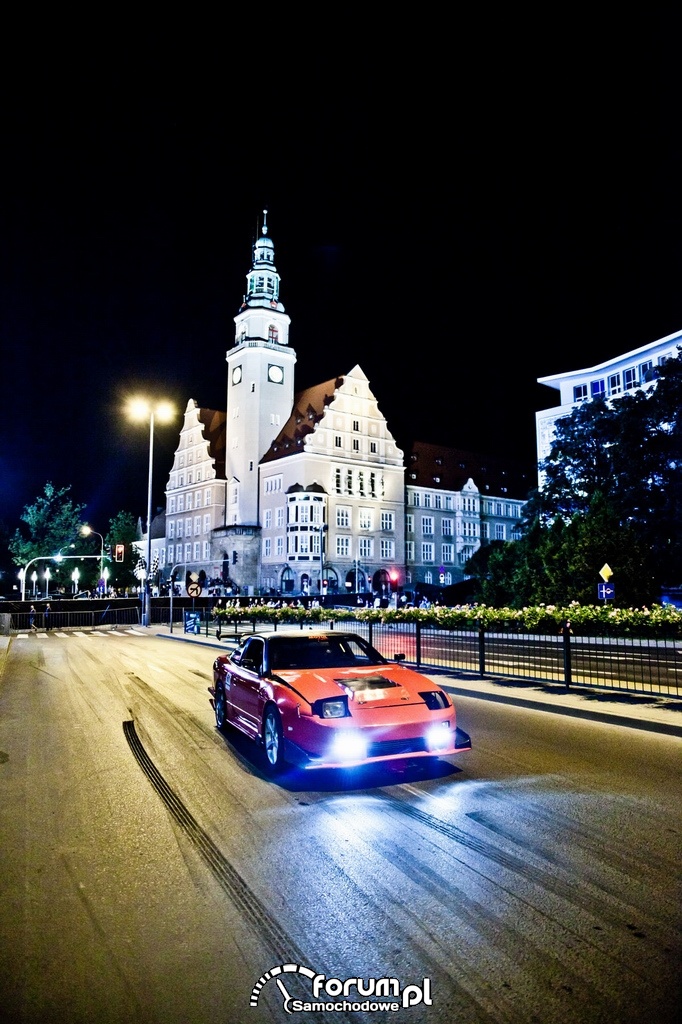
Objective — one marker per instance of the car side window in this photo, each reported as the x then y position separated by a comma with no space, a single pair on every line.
252,656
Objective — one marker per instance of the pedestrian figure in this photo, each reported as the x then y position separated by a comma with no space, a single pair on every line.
47,616
32,619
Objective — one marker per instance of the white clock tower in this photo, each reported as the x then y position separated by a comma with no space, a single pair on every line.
260,382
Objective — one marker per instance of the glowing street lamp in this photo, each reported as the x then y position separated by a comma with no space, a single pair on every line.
85,532
75,576
142,409
34,580
46,574
105,577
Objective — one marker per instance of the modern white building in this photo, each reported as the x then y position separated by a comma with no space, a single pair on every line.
616,377
304,494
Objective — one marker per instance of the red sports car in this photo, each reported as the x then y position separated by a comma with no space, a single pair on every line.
330,700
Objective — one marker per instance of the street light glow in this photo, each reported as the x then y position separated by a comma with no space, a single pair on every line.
142,408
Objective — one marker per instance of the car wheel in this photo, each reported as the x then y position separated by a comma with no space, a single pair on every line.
220,706
273,739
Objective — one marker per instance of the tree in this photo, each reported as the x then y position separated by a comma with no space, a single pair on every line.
52,524
612,492
123,529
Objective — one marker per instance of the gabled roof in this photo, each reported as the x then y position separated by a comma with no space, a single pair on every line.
448,469
213,423
308,409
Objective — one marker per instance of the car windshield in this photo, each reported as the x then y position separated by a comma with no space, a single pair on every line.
321,652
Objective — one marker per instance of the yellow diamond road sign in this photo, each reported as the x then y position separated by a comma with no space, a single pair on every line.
606,572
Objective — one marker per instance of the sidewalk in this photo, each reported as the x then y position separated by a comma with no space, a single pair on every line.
617,707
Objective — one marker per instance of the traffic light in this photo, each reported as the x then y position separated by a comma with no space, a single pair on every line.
120,552
235,557
393,576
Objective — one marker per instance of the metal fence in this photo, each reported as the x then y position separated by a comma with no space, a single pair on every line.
616,663
88,617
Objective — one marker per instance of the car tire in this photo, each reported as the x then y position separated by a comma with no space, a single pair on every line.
273,740
220,707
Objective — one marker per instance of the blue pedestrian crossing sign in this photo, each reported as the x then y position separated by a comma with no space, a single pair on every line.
606,591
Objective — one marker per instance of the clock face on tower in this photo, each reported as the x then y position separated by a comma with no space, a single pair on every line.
275,374
236,375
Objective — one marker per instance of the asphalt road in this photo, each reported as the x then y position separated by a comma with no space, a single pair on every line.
149,871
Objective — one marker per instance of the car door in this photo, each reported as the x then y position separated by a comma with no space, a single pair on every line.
245,687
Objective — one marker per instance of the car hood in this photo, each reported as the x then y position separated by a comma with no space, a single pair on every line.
373,686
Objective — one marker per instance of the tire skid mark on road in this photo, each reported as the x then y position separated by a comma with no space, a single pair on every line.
283,948
564,890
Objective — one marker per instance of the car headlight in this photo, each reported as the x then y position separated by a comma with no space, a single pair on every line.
348,746
333,708
439,736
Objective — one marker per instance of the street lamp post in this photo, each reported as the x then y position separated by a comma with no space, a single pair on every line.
46,574
140,409
34,580
86,531
75,576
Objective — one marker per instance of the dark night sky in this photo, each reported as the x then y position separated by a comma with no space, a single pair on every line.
459,219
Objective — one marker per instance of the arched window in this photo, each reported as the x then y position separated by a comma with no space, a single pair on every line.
273,334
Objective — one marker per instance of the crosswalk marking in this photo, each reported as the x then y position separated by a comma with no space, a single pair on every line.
82,633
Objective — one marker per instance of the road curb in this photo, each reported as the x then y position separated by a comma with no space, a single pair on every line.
648,725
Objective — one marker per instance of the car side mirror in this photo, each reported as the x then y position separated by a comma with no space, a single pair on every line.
400,657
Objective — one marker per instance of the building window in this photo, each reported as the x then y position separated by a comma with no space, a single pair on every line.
171,529
197,525
207,523
279,547
415,499
427,525
338,441
366,547
614,384
580,392
427,501
343,547
197,551
387,549
267,546
207,550
372,447
171,506
279,517
179,528
428,576
448,552
485,531
409,523
356,444
630,378
499,531
598,388
188,506
409,551
171,552
273,333
365,519
188,527
356,425
387,521
446,527
427,552
267,521
343,517
181,503
188,552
